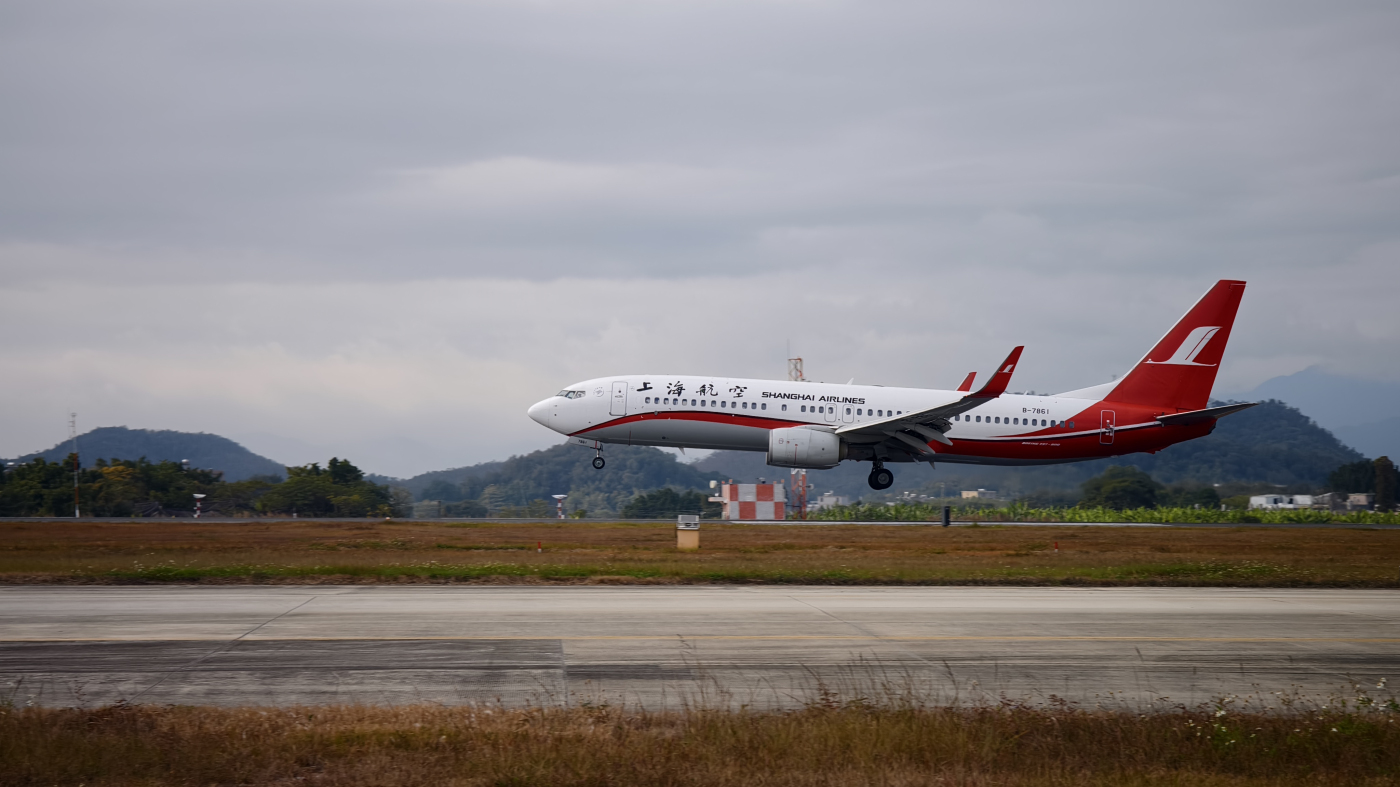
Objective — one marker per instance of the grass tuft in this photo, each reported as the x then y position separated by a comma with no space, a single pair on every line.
831,741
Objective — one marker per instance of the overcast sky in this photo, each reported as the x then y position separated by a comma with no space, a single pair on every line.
384,229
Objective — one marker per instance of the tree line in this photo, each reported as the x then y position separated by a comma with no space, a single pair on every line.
141,488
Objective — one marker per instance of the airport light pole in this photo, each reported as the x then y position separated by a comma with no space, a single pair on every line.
73,432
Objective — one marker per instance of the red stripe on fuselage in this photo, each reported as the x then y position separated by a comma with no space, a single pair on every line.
714,418
1044,444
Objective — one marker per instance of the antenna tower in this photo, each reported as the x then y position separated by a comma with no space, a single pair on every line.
73,435
795,370
799,477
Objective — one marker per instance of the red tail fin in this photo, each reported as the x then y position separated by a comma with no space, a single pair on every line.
1178,373
967,382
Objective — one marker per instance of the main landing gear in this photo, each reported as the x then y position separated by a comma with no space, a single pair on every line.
880,478
598,460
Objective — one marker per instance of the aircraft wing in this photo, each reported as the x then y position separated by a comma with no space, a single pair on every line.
913,431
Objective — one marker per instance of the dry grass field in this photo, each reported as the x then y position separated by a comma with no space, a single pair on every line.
833,743
574,552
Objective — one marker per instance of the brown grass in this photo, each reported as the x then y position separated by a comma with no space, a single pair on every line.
832,744
399,551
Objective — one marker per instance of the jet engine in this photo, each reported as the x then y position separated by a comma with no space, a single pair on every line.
812,449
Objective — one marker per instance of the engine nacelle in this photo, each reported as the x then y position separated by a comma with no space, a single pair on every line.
811,449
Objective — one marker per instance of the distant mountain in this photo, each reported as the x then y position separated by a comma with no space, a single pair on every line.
563,469
452,476
1269,444
1374,439
208,451
1332,400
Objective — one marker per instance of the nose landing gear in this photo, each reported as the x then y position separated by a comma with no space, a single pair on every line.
598,460
880,478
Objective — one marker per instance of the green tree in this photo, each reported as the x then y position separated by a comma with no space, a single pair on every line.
442,490
338,490
667,503
1353,477
1190,497
1386,481
1121,487
119,487
342,472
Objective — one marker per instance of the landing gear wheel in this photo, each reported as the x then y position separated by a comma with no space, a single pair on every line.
598,463
880,478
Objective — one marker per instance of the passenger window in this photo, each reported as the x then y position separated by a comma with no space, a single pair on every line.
1071,424
979,419
804,408
784,408
722,404
765,406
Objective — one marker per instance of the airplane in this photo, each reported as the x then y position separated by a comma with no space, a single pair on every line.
1161,401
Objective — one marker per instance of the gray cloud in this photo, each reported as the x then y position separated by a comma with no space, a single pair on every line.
365,224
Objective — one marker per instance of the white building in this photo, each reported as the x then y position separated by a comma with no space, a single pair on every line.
1290,501
828,500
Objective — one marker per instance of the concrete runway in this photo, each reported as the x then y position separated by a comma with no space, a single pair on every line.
765,646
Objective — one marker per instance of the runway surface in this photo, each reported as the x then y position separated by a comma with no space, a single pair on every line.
762,646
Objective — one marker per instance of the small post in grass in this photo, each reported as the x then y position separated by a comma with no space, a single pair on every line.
687,531
947,515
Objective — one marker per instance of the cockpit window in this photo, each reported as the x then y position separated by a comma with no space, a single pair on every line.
570,394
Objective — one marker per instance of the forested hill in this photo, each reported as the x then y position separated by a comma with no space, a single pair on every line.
451,476
206,451
563,469
1269,444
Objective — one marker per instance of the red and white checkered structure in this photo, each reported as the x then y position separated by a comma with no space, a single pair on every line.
754,501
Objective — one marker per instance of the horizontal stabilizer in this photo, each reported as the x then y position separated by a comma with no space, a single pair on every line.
1208,414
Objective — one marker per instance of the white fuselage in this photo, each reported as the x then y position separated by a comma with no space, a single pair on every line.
738,414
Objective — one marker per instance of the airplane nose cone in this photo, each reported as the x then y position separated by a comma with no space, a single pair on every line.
539,412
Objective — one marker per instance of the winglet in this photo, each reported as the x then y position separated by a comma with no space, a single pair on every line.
967,383
997,385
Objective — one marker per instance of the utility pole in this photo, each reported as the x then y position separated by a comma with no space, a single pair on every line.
73,433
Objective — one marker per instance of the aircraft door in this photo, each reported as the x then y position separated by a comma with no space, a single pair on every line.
848,413
1106,426
619,398
831,412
